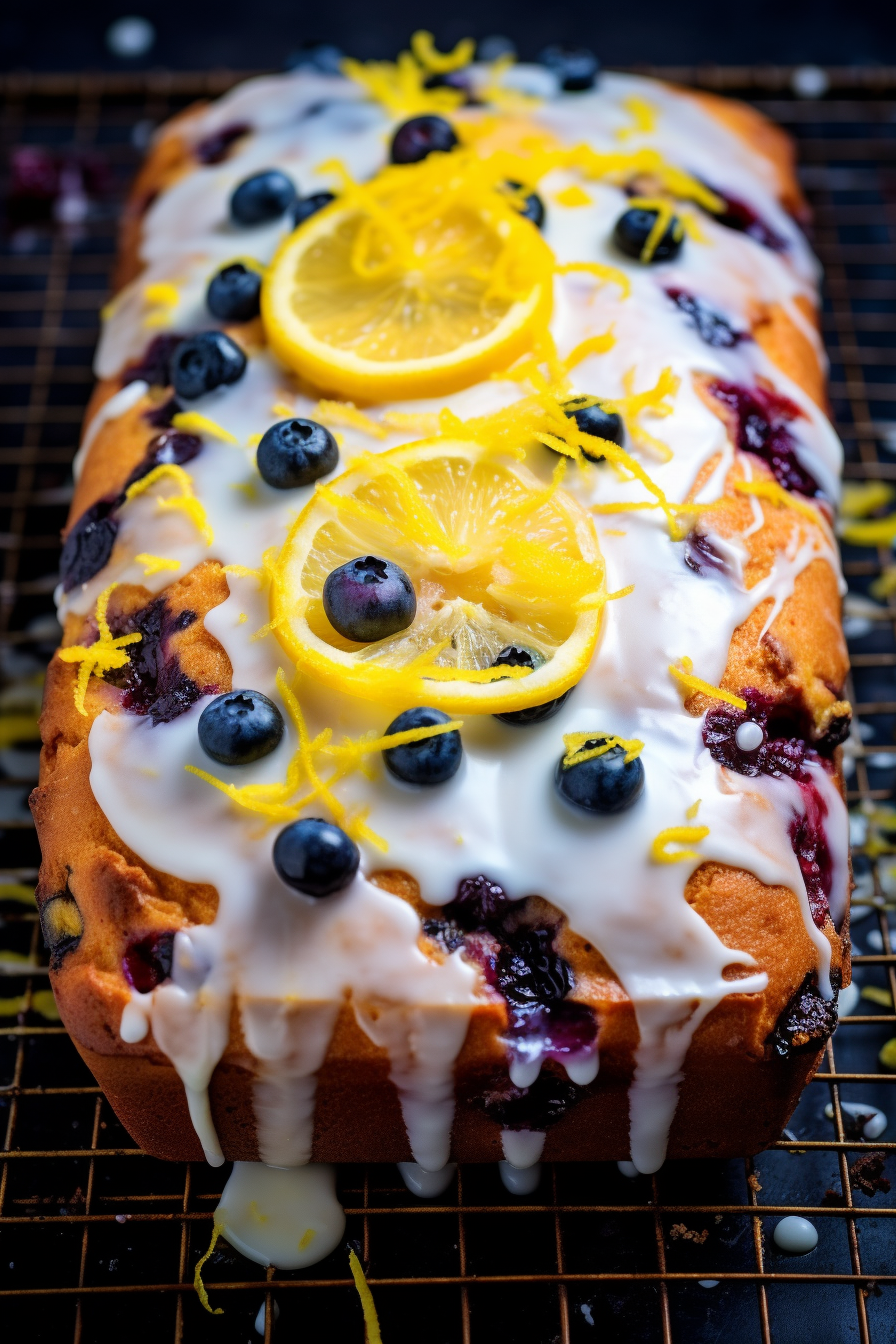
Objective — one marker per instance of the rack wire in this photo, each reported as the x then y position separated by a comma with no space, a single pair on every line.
96,1237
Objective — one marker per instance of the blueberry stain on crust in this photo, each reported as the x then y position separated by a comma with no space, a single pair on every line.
62,925
153,680
147,961
806,1022
154,365
214,148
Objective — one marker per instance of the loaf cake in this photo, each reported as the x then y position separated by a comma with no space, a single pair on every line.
441,761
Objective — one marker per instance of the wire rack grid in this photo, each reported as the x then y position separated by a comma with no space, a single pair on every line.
94,1235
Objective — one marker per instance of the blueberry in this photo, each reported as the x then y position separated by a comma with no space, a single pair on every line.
595,420
204,362
368,598
432,760
262,198
306,206
530,972
575,67
234,294
89,544
633,228
602,784
296,452
419,137
531,207
147,963
240,727
315,857
515,655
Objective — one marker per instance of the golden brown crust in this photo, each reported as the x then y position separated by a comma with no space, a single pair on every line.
735,1098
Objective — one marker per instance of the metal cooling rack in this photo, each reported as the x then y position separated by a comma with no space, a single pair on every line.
96,1239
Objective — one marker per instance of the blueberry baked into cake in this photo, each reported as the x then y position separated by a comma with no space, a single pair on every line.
441,761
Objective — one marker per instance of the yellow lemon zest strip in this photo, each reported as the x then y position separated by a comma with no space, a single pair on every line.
162,294
155,564
683,673
572,197
693,809
353,751
643,116
186,502
861,498
609,274
478,675
665,214
244,572
191,422
18,728
201,1292
592,345
283,408
776,494
425,423
17,891
400,86
371,1320
346,414
871,532
576,751
104,654
621,592
677,835
441,62
885,585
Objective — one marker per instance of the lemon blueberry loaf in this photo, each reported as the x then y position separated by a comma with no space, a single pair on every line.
441,760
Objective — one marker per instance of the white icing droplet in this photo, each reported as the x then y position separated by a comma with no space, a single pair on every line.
288,1218
796,1235
628,1169
426,1184
522,1147
190,961
582,1069
708,1283
520,1180
848,1000
524,1071
749,736
875,940
134,1022
259,1319
810,81
875,1124
585,1309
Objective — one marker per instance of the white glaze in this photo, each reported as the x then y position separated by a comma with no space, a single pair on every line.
749,736
291,963
286,1218
628,1169
796,1235
261,1317
522,1147
520,1180
875,1123
426,1184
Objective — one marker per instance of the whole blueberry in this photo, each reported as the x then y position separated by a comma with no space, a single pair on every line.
432,760
296,452
595,420
306,206
315,857
603,784
202,363
633,228
240,727
516,655
234,294
575,67
262,198
419,137
531,207
369,598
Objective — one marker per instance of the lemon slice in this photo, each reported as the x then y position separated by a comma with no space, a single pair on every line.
496,558
376,298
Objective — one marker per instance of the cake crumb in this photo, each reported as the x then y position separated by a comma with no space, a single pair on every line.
753,1182
688,1234
866,1174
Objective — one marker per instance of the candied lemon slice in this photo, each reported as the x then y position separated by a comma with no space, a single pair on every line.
496,556
379,296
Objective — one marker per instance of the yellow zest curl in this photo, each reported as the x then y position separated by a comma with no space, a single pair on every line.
577,751
573,197
155,564
441,62
683,672
201,1292
186,502
862,498
346,414
371,1320
777,495
643,115
609,274
665,215
677,835
870,532
191,422
103,655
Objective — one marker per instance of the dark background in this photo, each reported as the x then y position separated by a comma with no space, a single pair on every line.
251,34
